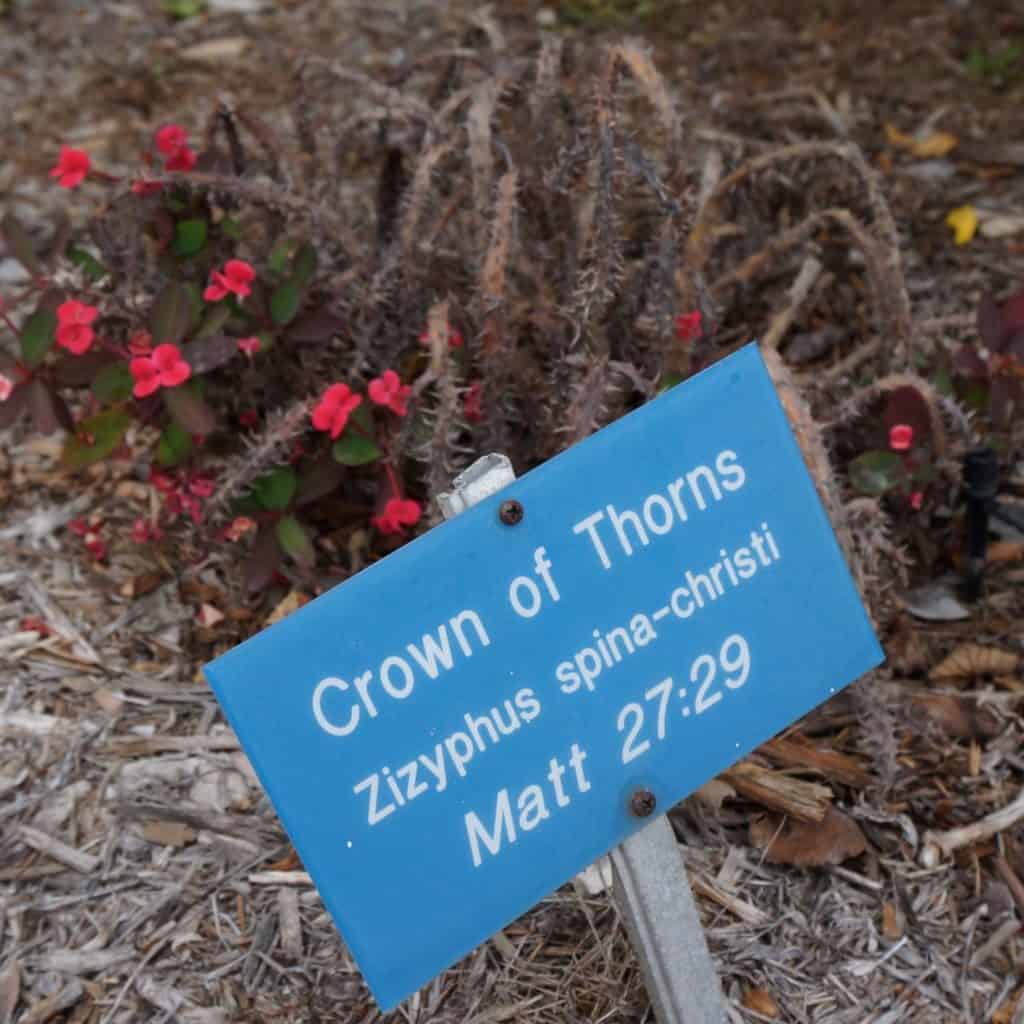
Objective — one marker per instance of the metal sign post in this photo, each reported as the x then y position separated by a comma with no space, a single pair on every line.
651,886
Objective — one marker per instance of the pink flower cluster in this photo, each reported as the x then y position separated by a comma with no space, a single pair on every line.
397,513
172,143
234,279
901,439
339,401
74,326
163,369
90,532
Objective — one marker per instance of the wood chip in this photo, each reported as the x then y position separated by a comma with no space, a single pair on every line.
289,923
85,863
10,991
796,752
745,911
291,602
805,801
83,961
214,51
168,833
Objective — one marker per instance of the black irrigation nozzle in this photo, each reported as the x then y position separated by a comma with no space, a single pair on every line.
981,483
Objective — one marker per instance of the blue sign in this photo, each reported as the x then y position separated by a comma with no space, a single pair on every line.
454,732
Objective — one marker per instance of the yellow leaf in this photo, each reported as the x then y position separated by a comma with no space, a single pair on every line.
964,222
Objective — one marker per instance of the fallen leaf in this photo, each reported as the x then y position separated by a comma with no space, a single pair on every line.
760,1001
208,616
168,833
936,144
964,222
957,717
974,660
892,922
291,602
289,862
837,837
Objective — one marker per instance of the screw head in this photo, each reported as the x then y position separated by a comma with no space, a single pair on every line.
511,512
642,803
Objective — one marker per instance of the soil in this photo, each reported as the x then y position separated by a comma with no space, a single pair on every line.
173,894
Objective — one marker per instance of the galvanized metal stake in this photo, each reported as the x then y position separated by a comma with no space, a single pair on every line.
651,886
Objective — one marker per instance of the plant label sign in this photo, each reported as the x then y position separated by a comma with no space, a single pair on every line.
454,732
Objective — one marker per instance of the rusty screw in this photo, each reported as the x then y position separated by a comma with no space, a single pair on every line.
511,512
642,803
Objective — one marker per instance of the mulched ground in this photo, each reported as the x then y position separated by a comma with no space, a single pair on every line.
143,875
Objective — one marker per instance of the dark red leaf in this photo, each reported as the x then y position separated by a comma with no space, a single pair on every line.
318,325
172,314
19,244
189,410
990,322
907,405
16,404
264,559
1012,318
206,354
49,413
968,363
319,479
1005,397
80,371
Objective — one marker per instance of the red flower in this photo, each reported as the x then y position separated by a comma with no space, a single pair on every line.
73,330
170,139
455,338
72,167
6,387
164,369
236,278
901,437
183,160
337,404
96,546
472,402
79,526
398,513
248,418
389,391
688,326
161,481
36,625
916,500
250,346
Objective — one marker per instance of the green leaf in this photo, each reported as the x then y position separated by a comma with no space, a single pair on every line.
352,449
304,265
284,303
95,438
37,335
295,541
216,316
189,237
189,410
113,383
877,472
175,445
19,243
278,258
276,488
85,260
183,8
172,314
